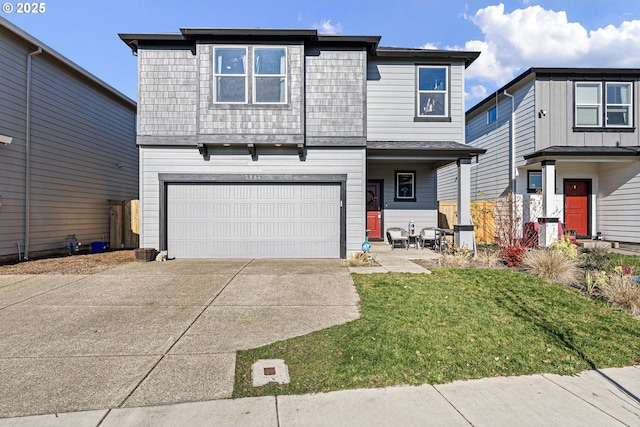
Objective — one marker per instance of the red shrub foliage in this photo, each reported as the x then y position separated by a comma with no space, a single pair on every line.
513,256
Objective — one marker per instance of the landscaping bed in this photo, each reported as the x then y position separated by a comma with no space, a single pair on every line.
87,263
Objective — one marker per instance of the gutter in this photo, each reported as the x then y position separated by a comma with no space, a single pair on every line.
27,156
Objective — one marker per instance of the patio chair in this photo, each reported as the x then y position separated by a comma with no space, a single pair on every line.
397,235
430,236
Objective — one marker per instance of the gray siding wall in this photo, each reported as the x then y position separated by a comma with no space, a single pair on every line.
490,176
156,160
618,201
218,119
391,104
335,94
556,96
83,153
424,211
167,91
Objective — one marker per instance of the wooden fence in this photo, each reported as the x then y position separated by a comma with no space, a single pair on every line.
482,215
124,227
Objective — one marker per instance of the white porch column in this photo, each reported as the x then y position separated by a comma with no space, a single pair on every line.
463,235
548,223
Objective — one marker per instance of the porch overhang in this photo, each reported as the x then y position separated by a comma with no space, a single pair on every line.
441,153
584,154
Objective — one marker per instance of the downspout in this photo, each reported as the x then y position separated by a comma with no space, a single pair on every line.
512,143
27,156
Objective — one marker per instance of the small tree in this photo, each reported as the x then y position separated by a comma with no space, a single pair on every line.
510,236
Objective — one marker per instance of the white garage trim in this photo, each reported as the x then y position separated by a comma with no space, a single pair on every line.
301,243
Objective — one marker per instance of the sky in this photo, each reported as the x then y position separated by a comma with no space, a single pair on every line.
512,35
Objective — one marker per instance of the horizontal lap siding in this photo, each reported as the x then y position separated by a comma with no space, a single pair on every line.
12,157
83,153
618,201
391,105
159,160
424,211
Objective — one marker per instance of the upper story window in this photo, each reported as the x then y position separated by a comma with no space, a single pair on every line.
613,108
265,80
492,115
230,74
270,75
433,91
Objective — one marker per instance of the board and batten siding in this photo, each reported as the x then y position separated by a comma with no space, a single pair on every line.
335,93
618,201
423,212
179,160
83,152
391,104
556,97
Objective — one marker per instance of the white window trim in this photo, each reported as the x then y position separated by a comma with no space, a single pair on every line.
629,105
445,92
576,105
254,76
245,75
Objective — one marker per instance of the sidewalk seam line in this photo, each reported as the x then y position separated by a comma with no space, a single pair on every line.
452,405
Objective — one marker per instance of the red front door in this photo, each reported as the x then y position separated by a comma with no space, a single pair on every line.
374,213
576,206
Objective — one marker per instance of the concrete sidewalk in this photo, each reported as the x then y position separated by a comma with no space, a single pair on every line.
609,397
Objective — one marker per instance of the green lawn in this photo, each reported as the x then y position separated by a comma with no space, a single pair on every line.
453,324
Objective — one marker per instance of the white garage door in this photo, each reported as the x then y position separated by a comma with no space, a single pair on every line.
253,220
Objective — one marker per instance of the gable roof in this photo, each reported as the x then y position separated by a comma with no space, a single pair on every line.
68,64
188,37
574,73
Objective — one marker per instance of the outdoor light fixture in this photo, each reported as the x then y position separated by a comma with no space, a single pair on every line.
542,113
202,149
252,150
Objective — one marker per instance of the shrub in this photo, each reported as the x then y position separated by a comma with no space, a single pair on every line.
552,266
565,247
487,258
620,289
361,259
595,258
513,255
457,259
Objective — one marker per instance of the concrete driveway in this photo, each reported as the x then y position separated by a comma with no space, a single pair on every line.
154,333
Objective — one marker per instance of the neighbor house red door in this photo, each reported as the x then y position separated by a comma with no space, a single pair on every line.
576,206
374,209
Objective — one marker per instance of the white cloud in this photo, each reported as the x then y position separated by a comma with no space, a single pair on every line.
476,92
538,37
326,27
430,46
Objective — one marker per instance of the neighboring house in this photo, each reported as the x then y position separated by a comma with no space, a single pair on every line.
281,143
570,150
67,146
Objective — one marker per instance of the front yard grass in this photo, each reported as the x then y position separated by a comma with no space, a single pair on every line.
454,324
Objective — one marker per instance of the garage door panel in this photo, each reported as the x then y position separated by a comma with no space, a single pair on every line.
253,220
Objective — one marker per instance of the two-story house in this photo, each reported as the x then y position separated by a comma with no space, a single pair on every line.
67,147
565,140
281,143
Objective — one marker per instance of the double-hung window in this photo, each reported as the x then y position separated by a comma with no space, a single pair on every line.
609,108
433,91
250,75
230,74
270,75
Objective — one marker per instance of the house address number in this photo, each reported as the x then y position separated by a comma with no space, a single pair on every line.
27,8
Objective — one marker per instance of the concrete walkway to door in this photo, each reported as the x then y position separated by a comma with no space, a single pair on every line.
154,333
